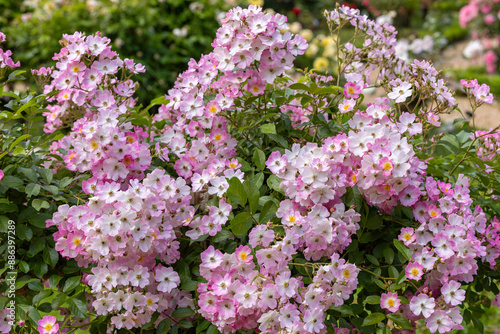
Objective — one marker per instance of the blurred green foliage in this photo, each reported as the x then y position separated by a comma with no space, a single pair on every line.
161,34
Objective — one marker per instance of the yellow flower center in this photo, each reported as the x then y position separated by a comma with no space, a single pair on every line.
292,218
433,213
391,302
71,157
353,178
217,137
346,273
93,145
66,96
232,165
387,187
387,166
255,88
48,327
414,271
77,241
407,236
243,255
127,160
76,69
351,90
213,109
130,139
149,301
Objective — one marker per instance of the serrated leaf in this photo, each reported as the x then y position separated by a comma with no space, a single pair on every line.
39,204
389,255
77,308
182,312
32,189
259,158
163,326
372,259
373,319
236,192
402,249
46,175
400,320
268,128
241,223
374,300
268,212
71,283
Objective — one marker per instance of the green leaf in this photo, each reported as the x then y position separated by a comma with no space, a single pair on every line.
202,326
160,100
24,232
374,222
401,277
389,255
373,319
39,204
184,323
30,173
241,223
374,300
400,320
50,256
402,249
259,158
182,312
58,300
222,235
54,280
41,295
393,272
36,246
77,308
46,174
71,283
300,86
18,140
258,180
23,266
268,128
212,330
236,192
274,182
268,212
20,284
163,327
372,259
11,181
32,189
253,195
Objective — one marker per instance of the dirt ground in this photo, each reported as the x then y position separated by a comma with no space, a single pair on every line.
488,115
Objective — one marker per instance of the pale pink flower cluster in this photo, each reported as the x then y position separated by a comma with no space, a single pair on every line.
87,77
5,59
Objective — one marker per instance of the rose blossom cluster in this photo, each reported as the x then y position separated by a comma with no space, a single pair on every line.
134,217
482,16
122,232
398,77
238,296
444,249
5,59
489,144
250,50
86,77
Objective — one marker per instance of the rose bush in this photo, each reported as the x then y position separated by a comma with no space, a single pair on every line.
254,201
